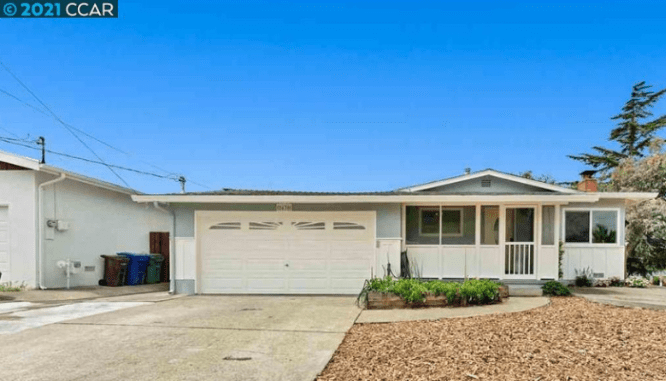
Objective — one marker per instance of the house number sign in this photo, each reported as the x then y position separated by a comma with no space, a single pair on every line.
283,207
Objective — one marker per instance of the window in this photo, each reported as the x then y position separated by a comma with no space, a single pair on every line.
226,226
490,225
440,225
591,226
452,222
548,225
347,226
429,222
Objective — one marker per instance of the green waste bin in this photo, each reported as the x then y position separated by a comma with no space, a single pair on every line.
154,268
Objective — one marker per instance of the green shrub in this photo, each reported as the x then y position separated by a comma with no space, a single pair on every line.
472,291
555,288
450,289
479,291
584,278
616,282
412,290
655,280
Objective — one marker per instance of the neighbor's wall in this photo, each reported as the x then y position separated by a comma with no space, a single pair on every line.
17,198
100,222
607,258
388,232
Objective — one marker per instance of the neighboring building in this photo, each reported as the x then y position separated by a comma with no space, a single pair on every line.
77,218
486,224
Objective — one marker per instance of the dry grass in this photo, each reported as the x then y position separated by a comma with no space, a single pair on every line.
571,339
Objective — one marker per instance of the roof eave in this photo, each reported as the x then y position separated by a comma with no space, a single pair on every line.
260,199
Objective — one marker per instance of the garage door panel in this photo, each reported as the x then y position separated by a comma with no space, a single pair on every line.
259,284
308,284
247,252
265,265
296,265
222,285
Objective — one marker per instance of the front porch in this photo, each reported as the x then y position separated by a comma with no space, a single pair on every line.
499,241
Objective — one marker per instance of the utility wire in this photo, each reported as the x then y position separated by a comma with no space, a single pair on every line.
7,93
21,143
63,123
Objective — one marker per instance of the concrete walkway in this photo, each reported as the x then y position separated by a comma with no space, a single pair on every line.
653,297
513,304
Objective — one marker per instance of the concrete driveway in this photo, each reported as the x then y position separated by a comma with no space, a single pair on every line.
190,338
652,297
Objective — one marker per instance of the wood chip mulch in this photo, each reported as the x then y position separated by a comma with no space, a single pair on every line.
570,339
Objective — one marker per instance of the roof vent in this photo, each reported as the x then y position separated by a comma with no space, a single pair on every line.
485,183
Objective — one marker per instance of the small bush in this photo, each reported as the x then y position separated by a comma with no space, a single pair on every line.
450,289
479,291
637,282
655,280
555,288
602,283
616,282
412,290
584,278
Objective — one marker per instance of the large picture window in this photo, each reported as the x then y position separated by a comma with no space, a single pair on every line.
591,226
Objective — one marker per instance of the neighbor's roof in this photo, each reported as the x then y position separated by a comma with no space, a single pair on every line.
35,165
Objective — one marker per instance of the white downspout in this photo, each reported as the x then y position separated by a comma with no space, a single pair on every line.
40,225
172,248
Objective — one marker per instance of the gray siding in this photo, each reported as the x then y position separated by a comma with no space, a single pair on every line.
388,215
497,185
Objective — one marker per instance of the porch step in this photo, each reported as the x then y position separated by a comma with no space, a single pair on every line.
525,290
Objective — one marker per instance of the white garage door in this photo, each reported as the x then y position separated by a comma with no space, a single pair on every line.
285,253
4,244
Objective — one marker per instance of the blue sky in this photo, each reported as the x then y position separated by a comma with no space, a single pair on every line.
342,96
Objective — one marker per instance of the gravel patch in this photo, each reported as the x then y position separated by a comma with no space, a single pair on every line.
570,339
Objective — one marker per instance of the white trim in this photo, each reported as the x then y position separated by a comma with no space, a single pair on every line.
20,161
591,227
323,199
35,165
627,195
504,176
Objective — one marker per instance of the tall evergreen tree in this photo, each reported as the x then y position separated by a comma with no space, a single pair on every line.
633,136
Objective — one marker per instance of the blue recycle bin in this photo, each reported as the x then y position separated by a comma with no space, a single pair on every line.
136,268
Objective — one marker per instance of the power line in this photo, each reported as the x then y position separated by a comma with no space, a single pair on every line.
63,123
21,143
28,104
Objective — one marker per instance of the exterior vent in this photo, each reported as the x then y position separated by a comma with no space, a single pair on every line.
598,275
485,183
89,268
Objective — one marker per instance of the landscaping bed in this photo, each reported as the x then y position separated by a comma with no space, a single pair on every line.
388,293
570,339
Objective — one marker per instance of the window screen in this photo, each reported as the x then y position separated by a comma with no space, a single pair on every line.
548,225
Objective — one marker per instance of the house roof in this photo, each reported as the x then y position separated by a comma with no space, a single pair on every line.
35,165
489,172
418,194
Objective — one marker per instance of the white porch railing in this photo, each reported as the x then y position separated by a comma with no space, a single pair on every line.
519,258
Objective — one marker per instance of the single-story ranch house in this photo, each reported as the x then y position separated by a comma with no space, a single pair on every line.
486,224
49,215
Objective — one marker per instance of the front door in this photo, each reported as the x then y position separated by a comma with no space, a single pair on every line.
520,247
